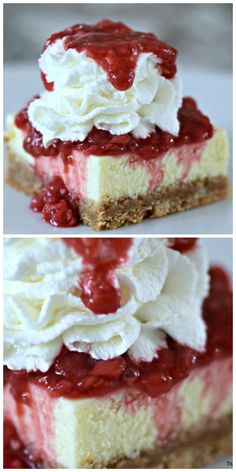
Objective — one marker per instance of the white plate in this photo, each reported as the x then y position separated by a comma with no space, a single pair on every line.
214,95
224,464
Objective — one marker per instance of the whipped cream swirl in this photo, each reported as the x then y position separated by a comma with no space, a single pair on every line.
83,97
162,293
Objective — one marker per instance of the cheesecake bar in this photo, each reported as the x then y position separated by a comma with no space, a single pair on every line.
133,372
112,141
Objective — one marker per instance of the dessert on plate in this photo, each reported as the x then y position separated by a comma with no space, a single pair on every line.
111,140
118,354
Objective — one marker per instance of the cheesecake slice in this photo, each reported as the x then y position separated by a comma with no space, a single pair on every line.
110,143
187,427
128,375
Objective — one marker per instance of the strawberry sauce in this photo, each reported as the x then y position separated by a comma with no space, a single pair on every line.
101,256
115,48
194,127
57,205
182,244
77,375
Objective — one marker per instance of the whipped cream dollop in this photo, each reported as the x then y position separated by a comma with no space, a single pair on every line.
83,97
162,292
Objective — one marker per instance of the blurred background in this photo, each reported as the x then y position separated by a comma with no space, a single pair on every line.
187,27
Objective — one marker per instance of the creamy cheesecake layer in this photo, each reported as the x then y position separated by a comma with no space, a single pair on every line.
14,138
109,177
98,431
100,178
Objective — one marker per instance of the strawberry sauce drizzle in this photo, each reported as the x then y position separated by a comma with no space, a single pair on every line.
115,48
77,375
101,256
182,245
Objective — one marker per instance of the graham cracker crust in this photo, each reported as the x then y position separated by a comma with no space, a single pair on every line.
111,214
20,175
191,452
160,202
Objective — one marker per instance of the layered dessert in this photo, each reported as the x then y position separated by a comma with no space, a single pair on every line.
118,354
111,140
